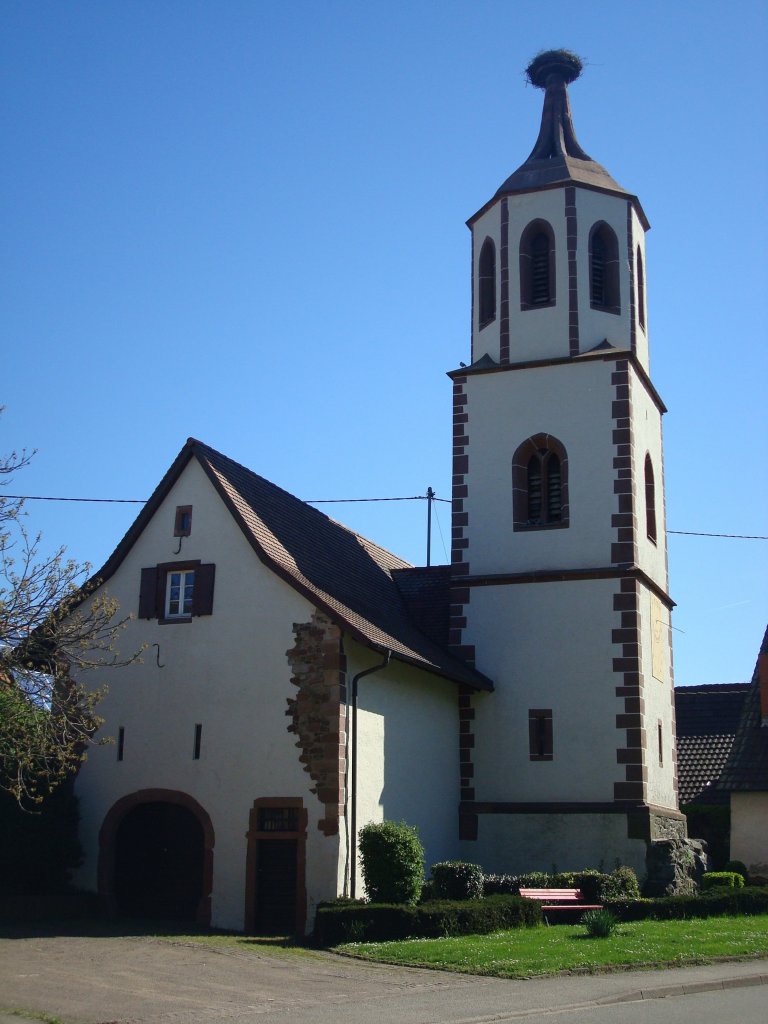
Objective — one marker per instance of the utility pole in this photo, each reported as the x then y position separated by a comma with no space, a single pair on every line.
430,498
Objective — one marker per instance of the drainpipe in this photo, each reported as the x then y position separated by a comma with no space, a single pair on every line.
353,789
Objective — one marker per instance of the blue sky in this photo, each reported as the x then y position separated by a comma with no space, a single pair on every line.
244,222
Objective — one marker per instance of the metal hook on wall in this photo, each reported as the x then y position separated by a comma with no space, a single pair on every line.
158,656
178,549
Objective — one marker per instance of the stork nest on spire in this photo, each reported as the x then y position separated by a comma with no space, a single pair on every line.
563,62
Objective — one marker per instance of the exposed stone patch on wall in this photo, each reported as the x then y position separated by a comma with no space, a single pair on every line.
675,867
317,712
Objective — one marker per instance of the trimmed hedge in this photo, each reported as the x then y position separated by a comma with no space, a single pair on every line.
457,880
722,880
392,861
596,886
714,903
344,921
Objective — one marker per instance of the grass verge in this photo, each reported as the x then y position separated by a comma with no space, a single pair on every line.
528,952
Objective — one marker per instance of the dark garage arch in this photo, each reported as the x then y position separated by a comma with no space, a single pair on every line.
156,857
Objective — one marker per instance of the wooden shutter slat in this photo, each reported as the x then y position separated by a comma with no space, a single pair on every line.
202,601
147,593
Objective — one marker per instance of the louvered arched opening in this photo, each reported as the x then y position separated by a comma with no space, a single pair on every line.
640,289
486,275
537,266
650,500
540,484
604,268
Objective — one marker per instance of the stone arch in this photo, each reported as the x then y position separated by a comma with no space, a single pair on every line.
108,838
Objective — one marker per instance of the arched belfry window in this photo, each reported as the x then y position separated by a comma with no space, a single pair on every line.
650,500
540,484
604,268
537,266
486,279
640,289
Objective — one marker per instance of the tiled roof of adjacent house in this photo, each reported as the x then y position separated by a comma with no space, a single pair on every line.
352,579
706,719
747,766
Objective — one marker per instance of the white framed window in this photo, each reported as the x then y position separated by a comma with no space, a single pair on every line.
179,592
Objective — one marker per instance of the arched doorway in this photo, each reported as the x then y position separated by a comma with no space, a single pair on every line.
157,857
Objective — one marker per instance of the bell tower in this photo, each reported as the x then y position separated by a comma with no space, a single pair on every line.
560,587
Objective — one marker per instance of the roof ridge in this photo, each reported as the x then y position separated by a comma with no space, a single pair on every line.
196,444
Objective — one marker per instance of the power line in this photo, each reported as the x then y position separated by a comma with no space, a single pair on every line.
112,501
729,536
347,501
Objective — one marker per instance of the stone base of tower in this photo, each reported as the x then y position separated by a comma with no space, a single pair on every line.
512,840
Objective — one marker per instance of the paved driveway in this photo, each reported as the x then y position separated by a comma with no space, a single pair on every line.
127,980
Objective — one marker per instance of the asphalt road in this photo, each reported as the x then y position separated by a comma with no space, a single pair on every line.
138,980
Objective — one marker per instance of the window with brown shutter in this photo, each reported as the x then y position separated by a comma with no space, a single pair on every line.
540,734
176,591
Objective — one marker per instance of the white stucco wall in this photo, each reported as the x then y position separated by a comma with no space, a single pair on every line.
647,440
520,843
227,671
543,333
571,402
749,831
546,645
658,697
408,749
595,325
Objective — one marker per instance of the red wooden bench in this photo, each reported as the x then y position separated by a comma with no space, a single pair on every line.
554,900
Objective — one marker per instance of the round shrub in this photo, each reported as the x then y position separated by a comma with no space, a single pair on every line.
500,885
722,879
457,880
599,923
392,860
740,867
621,884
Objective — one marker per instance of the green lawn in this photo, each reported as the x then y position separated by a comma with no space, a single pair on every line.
525,952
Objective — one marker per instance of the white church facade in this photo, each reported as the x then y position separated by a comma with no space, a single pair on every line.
299,681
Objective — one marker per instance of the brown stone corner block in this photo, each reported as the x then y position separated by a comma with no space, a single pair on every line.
317,671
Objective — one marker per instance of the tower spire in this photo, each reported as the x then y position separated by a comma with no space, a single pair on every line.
556,156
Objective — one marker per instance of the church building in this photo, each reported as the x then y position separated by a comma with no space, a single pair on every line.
299,681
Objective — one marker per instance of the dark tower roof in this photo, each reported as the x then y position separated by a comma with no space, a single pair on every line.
557,156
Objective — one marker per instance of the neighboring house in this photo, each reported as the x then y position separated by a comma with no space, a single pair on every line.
745,776
300,681
707,718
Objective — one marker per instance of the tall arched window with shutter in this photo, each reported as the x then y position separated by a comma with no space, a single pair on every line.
540,484
604,268
486,280
537,266
650,500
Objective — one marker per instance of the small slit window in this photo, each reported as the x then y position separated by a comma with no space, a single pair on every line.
540,735
487,283
121,743
198,742
604,268
537,266
650,500
182,526
661,743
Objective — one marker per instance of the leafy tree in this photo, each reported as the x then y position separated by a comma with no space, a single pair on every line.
48,638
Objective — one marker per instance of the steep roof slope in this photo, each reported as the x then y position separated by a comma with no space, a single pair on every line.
706,718
747,766
346,575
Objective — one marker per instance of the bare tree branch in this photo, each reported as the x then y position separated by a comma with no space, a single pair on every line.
49,635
